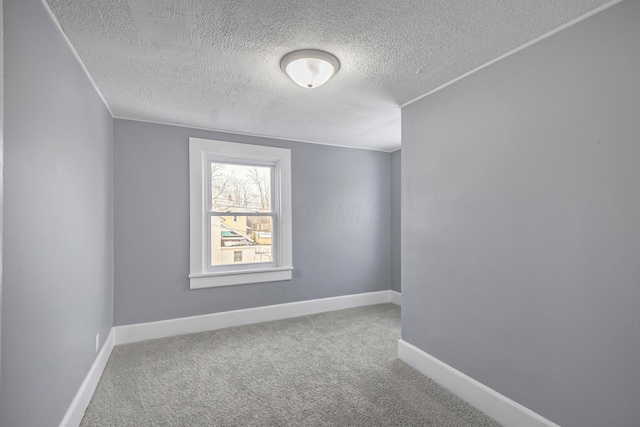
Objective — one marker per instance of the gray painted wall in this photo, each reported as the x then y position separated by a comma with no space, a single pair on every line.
58,269
1,163
520,232
340,225
395,220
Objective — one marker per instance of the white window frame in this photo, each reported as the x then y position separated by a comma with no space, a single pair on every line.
200,153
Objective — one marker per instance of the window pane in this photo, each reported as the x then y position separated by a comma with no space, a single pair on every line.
240,188
239,239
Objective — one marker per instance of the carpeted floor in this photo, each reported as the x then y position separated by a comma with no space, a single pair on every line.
330,369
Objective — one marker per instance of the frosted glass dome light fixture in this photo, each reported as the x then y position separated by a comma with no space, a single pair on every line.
310,68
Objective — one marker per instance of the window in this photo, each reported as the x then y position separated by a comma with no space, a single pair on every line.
240,209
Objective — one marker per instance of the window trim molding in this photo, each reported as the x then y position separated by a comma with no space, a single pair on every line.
199,151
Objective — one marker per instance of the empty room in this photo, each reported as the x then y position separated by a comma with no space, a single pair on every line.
342,213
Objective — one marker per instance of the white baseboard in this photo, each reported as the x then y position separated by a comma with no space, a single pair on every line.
396,298
497,406
74,414
207,322
186,325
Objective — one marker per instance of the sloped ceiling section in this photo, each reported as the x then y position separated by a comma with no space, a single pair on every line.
215,64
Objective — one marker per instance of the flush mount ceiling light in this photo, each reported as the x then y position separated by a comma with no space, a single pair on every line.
310,68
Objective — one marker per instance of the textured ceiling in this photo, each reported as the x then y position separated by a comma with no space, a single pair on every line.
215,64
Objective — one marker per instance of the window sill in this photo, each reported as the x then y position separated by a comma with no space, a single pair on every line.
241,277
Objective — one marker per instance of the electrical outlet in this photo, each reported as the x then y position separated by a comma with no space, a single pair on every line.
97,341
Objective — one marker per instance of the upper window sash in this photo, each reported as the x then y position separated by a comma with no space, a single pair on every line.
274,202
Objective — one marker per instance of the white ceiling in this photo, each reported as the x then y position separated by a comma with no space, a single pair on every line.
215,64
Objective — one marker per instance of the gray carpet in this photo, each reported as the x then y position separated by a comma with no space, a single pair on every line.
330,369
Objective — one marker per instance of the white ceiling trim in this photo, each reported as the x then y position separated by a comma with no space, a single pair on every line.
74,52
518,49
255,135
232,132
104,101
